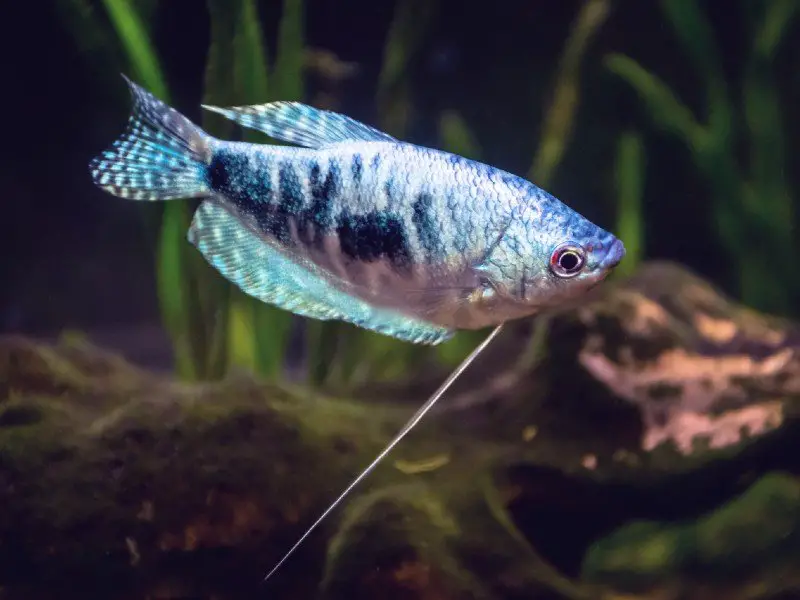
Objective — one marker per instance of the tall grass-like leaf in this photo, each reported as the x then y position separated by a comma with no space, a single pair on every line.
696,35
411,22
672,116
456,136
136,41
173,292
287,76
250,70
767,201
666,110
777,20
630,173
560,116
762,113
714,153
753,212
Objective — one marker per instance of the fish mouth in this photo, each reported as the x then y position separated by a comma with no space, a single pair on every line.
615,254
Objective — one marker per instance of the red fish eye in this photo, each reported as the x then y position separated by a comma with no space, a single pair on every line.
567,260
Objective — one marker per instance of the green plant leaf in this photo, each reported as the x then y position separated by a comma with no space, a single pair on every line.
559,119
288,73
695,34
666,110
456,137
766,202
411,22
250,71
630,172
772,29
770,198
242,341
173,292
135,39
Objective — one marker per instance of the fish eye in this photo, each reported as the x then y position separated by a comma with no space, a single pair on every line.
567,260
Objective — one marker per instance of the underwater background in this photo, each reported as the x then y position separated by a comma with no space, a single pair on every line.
162,435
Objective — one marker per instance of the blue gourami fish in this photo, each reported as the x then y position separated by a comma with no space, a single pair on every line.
354,225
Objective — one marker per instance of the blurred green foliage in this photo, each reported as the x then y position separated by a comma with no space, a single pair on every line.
213,325
629,178
752,205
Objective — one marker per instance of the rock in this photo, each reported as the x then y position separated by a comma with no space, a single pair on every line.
751,543
655,399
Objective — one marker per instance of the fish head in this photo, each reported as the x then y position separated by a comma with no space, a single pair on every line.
547,256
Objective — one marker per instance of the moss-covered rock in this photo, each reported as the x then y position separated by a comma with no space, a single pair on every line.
753,537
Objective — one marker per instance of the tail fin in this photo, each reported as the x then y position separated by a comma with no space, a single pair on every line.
161,156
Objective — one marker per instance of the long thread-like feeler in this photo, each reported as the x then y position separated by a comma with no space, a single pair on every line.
412,422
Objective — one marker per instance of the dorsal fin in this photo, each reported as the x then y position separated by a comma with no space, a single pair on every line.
301,124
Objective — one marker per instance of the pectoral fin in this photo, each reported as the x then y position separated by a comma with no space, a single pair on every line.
245,259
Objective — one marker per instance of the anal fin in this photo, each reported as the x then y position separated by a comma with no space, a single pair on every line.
264,272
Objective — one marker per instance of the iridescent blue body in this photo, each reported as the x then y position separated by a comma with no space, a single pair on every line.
358,226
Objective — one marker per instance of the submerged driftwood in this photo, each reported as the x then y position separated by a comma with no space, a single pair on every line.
624,464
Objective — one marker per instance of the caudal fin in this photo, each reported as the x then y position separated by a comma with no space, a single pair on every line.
161,156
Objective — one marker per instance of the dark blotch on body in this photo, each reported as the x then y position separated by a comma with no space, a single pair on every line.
389,189
425,225
276,219
374,236
230,174
357,169
315,221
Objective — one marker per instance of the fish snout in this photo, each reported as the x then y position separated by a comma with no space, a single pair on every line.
608,255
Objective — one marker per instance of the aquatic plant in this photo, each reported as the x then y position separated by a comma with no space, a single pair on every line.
752,202
629,180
